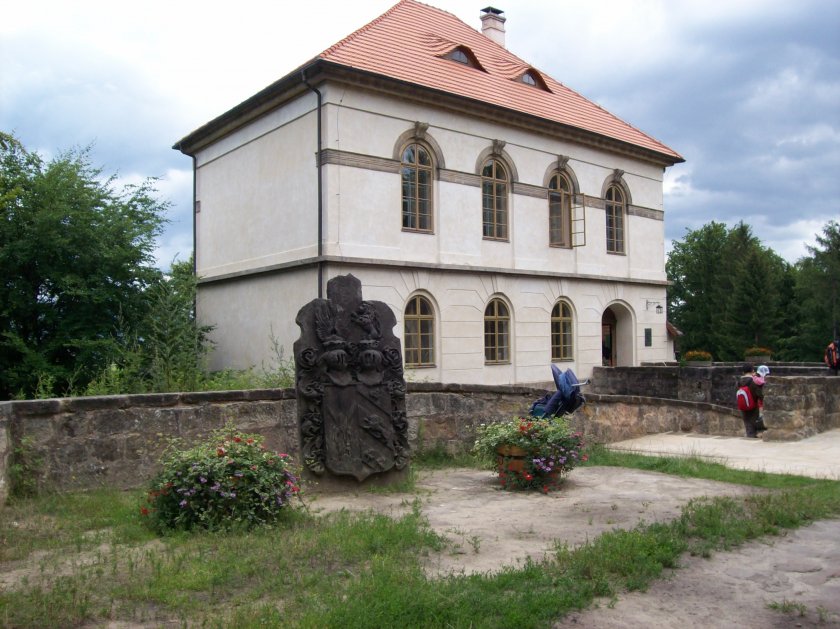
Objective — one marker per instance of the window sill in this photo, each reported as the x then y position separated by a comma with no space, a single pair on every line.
418,231
554,246
409,366
617,253
498,362
495,239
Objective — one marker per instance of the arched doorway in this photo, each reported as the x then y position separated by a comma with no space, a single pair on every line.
608,325
617,336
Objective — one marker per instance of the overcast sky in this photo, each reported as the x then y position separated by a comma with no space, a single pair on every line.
748,91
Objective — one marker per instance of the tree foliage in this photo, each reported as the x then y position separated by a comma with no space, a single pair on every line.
76,258
730,292
166,351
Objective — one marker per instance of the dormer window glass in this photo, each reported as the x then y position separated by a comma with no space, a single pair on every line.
460,56
464,56
529,79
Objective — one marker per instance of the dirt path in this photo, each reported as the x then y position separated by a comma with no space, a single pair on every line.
799,571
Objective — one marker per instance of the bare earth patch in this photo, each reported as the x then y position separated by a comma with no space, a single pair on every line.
489,528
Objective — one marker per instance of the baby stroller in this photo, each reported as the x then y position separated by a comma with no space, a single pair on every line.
567,399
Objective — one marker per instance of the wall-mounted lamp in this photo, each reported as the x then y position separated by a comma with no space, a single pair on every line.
649,303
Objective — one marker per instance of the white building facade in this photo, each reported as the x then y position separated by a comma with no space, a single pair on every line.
501,240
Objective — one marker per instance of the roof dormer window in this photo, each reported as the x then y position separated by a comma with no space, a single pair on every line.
460,56
465,56
534,79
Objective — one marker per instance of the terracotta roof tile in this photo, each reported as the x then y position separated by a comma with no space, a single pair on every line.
408,42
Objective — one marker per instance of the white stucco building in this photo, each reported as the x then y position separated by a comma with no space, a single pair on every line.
507,221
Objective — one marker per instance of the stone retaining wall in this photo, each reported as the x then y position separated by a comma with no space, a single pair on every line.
117,440
795,405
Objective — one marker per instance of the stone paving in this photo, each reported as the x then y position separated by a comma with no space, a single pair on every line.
817,456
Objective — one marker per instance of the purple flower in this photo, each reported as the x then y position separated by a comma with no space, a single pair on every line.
182,504
216,487
201,479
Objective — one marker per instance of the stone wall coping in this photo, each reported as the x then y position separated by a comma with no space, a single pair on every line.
58,405
55,406
604,398
437,387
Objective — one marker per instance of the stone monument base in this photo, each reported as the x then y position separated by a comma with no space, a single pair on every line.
333,483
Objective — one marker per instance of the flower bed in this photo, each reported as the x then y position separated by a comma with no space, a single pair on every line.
530,453
232,480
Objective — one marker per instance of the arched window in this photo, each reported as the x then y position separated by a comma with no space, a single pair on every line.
496,332
560,211
419,333
417,188
561,332
494,199
615,219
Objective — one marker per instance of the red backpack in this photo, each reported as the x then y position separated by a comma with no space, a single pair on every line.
745,399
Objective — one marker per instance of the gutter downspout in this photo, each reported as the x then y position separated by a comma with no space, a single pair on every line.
194,220
320,191
195,242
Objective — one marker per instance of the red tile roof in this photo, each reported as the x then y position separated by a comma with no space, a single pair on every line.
408,42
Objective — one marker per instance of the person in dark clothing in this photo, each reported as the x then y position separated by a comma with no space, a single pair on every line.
832,356
751,417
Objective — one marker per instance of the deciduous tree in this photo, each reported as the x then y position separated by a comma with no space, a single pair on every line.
76,255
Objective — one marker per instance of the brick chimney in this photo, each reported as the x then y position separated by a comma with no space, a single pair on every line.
493,25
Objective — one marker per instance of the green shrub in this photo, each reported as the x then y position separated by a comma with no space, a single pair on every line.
229,481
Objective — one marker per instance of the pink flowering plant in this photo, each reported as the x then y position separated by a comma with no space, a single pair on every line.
529,452
229,481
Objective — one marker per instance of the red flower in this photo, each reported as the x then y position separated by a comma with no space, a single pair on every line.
144,511
238,439
528,477
249,441
220,451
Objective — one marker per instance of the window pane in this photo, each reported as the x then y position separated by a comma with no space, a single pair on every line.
423,156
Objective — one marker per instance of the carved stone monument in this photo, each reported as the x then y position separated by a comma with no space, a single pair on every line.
350,385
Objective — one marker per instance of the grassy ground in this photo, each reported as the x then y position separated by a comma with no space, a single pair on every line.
84,559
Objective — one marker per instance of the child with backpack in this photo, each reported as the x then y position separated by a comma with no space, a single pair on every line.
748,396
759,377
